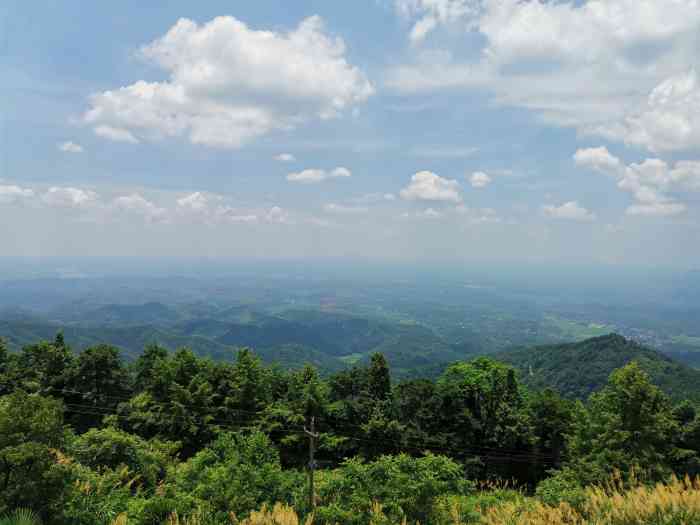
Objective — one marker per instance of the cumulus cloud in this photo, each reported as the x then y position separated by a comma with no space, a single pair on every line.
285,157
638,47
344,210
427,186
599,159
313,176
70,147
68,197
649,182
228,84
11,194
479,179
668,121
138,205
571,211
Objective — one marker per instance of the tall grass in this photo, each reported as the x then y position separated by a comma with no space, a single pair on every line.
614,503
674,503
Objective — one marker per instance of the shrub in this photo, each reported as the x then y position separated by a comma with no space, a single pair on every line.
405,487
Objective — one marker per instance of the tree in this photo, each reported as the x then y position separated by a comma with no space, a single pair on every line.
110,449
145,366
43,367
236,473
552,420
31,429
379,377
5,385
483,411
97,383
629,426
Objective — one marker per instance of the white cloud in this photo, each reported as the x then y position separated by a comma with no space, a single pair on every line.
479,179
67,197
250,218
138,205
313,176
556,71
668,121
228,84
344,210
197,201
430,213
115,134
210,209
70,147
431,13
427,186
568,211
373,198
285,157
658,209
599,159
277,215
11,194
649,182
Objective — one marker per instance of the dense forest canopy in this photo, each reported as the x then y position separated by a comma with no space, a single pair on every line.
85,437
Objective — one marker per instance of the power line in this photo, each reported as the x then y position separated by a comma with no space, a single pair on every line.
476,450
490,454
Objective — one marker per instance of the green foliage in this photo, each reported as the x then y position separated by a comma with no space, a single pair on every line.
21,517
379,377
236,473
112,449
575,370
629,427
404,486
177,433
31,430
469,508
564,486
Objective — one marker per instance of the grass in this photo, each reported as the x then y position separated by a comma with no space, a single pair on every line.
674,503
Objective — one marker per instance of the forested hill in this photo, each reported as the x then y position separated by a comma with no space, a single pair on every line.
577,369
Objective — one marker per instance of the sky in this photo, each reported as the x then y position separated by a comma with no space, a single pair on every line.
451,130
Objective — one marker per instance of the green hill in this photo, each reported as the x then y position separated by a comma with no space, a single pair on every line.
577,369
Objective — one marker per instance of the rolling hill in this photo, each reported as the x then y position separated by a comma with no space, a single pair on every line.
577,369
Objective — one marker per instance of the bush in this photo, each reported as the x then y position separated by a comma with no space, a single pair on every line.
405,487
111,448
561,487
463,509
237,473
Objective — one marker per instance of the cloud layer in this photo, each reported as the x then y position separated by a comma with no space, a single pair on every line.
644,49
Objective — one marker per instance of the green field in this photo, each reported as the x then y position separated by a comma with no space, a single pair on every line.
574,330
686,340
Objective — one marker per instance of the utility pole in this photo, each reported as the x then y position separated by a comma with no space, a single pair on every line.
313,436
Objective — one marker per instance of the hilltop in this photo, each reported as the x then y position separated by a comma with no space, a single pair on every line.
577,369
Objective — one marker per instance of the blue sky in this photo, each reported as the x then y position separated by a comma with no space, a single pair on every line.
410,129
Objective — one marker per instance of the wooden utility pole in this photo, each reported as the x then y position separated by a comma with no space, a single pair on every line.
313,436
